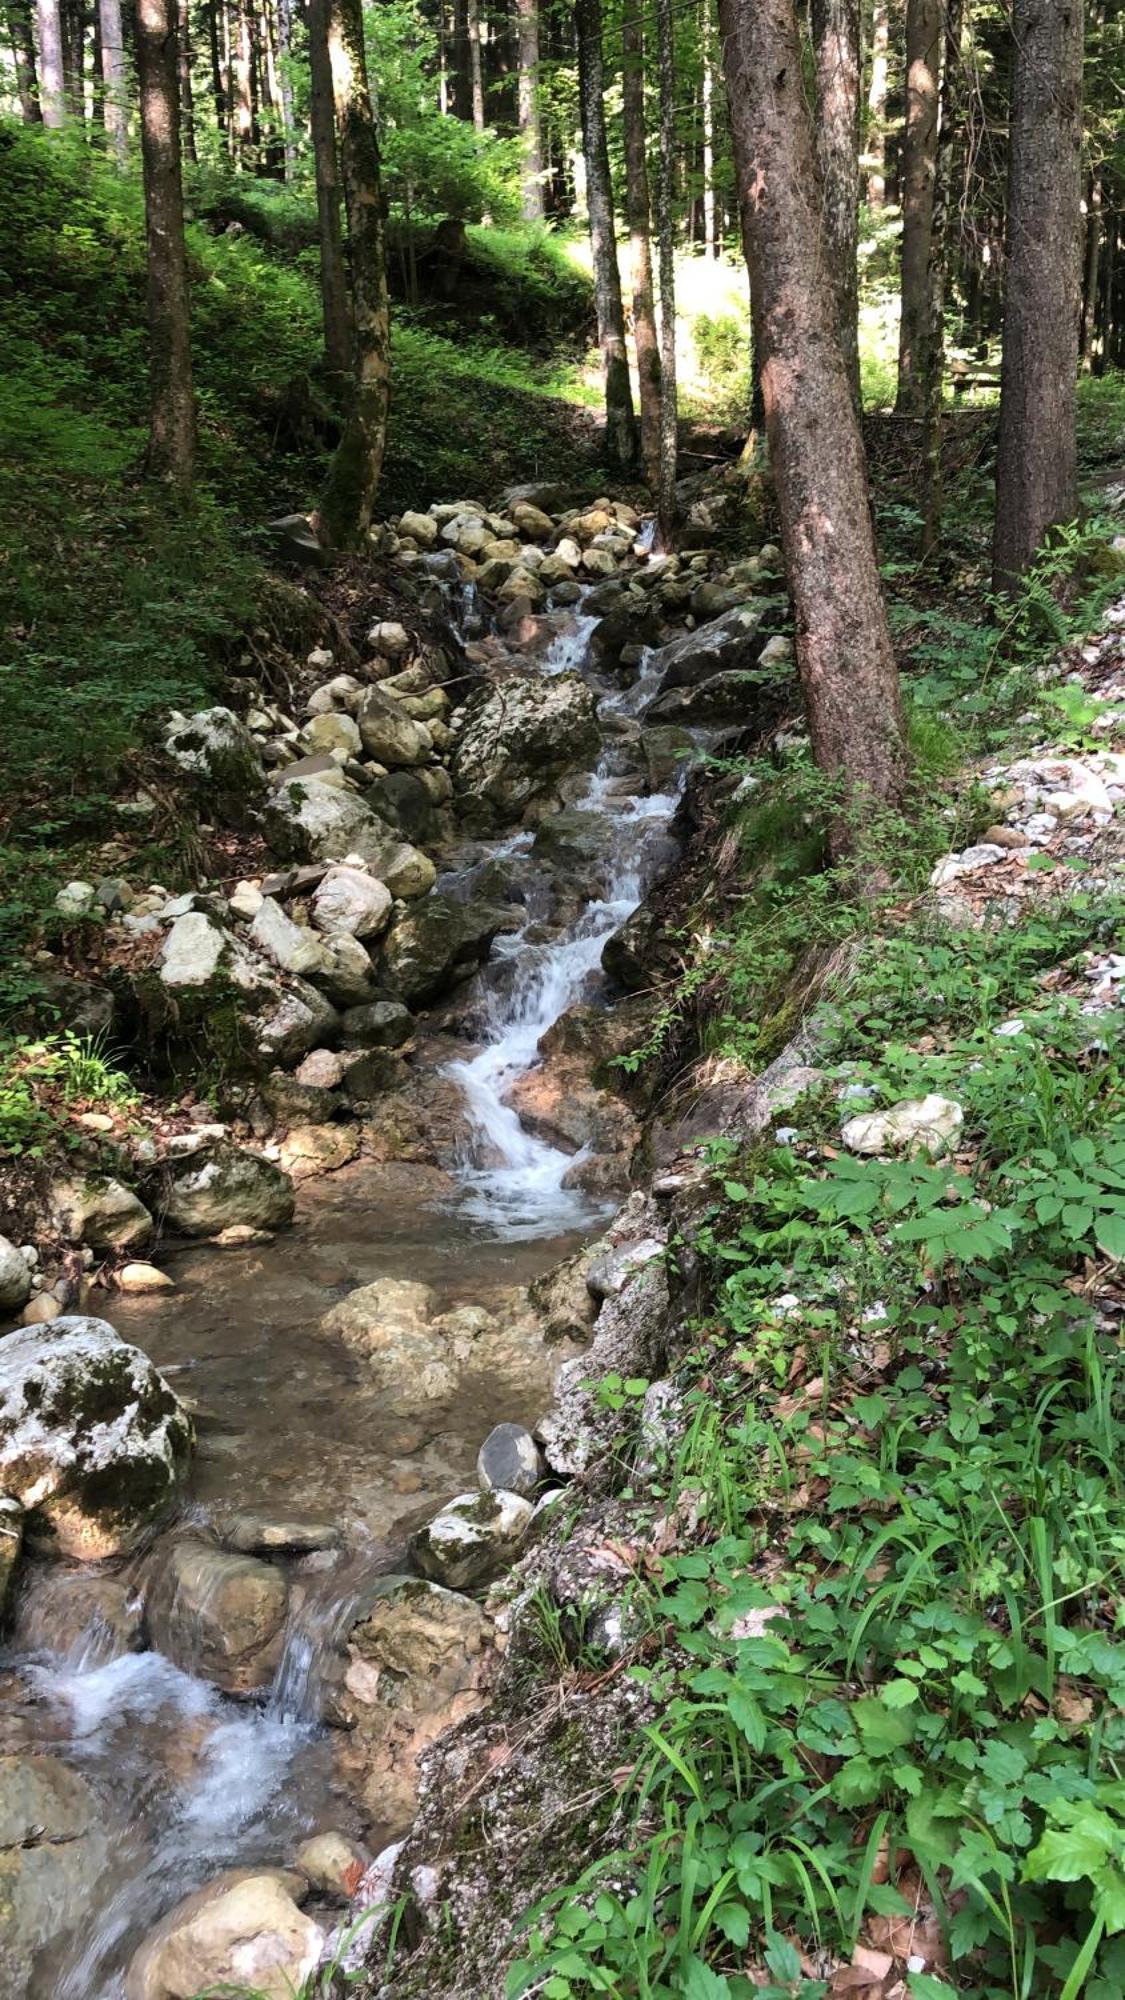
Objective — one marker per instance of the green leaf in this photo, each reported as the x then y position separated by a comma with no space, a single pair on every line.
700,1983
783,1959
857,1782
881,1729
733,1919
1073,1854
1109,1898
1110,1234
748,1715
899,1694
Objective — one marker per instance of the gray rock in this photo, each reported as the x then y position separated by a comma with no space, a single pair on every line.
253,1534
15,1277
509,1459
12,1519
440,942
218,1614
99,1211
351,903
517,739
472,1539
730,644
390,735
381,1024
53,1846
215,745
92,1440
76,899
231,1187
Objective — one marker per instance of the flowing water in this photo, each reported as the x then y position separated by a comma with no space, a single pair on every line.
191,1781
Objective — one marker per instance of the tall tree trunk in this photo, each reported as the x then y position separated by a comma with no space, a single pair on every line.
531,134
52,84
621,430
218,88
73,80
462,65
919,153
1092,270
836,52
187,94
707,91
476,73
285,83
333,279
23,54
637,213
171,446
242,79
876,148
115,102
844,654
665,236
353,477
952,98
1036,471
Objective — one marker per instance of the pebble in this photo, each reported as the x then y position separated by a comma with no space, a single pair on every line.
143,1278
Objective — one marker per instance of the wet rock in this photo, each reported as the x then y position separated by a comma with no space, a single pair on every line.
15,1277
83,1617
927,1124
252,1534
93,1443
729,644
418,1662
218,1614
370,1078
11,1544
389,735
100,1212
557,1101
333,1865
309,1150
351,903
52,1846
734,697
381,1024
242,1933
230,1187
509,1459
629,953
472,1539
516,740
563,1299
390,1325
438,943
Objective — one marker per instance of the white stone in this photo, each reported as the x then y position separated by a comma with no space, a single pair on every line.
15,1277
242,1933
321,1068
984,855
212,742
471,1538
350,902
332,731
929,1124
245,900
77,899
291,946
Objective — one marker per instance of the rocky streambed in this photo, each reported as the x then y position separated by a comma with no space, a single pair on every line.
261,1493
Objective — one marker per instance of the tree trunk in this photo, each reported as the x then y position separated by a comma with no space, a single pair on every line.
171,447
836,53
333,280
637,211
707,91
1092,270
476,74
876,148
187,95
952,98
23,53
242,80
353,477
462,66
531,180
74,91
218,89
665,235
1036,472
114,79
919,154
52,85
844,654
285,81
621,430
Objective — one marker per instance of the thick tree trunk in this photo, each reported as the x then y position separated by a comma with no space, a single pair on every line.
462,66
637,212
1036,472
187,94
333,279
531,134
621,430
171,448
919,155
665,235
836,53
23,54
844,654
353,477
952,98
476,72
876,147
115,102
52,84
72,55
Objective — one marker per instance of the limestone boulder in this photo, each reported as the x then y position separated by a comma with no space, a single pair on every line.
438,943
349,902
53,1845
471,1539
731,643
213,744
517,739
291,946
389,734
218,1614
310,819
93,1443
231,1187
390,1324
915,1125
15,1277
243,1933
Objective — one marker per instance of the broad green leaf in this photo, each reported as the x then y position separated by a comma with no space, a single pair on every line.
700,1983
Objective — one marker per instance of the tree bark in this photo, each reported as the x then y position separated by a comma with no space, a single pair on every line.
1036,470
836,53
52,85
114,78
621,430
353,477
476,73
335,306
948,127
919,155
462,66
171,447
242,80
844,654
531,133
1092,273
665,234
285,82
218,88
74,92
707,94
23,54
637,212
187,94
876,148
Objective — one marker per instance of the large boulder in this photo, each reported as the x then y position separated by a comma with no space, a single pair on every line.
230,1187
349,902
418,1659
99,1211
53,1847
214,745
731,697
389,734
93,1443
309,819
730,644
517,739
208,986
390,1324
243,1933
440,942
218,1614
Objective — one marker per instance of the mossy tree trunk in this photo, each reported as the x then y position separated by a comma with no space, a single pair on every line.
353,477
335,304
637,212
23,51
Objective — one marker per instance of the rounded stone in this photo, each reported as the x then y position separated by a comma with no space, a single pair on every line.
509,1458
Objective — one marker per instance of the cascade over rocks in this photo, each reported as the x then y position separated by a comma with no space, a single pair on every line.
217,1613
93,1443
